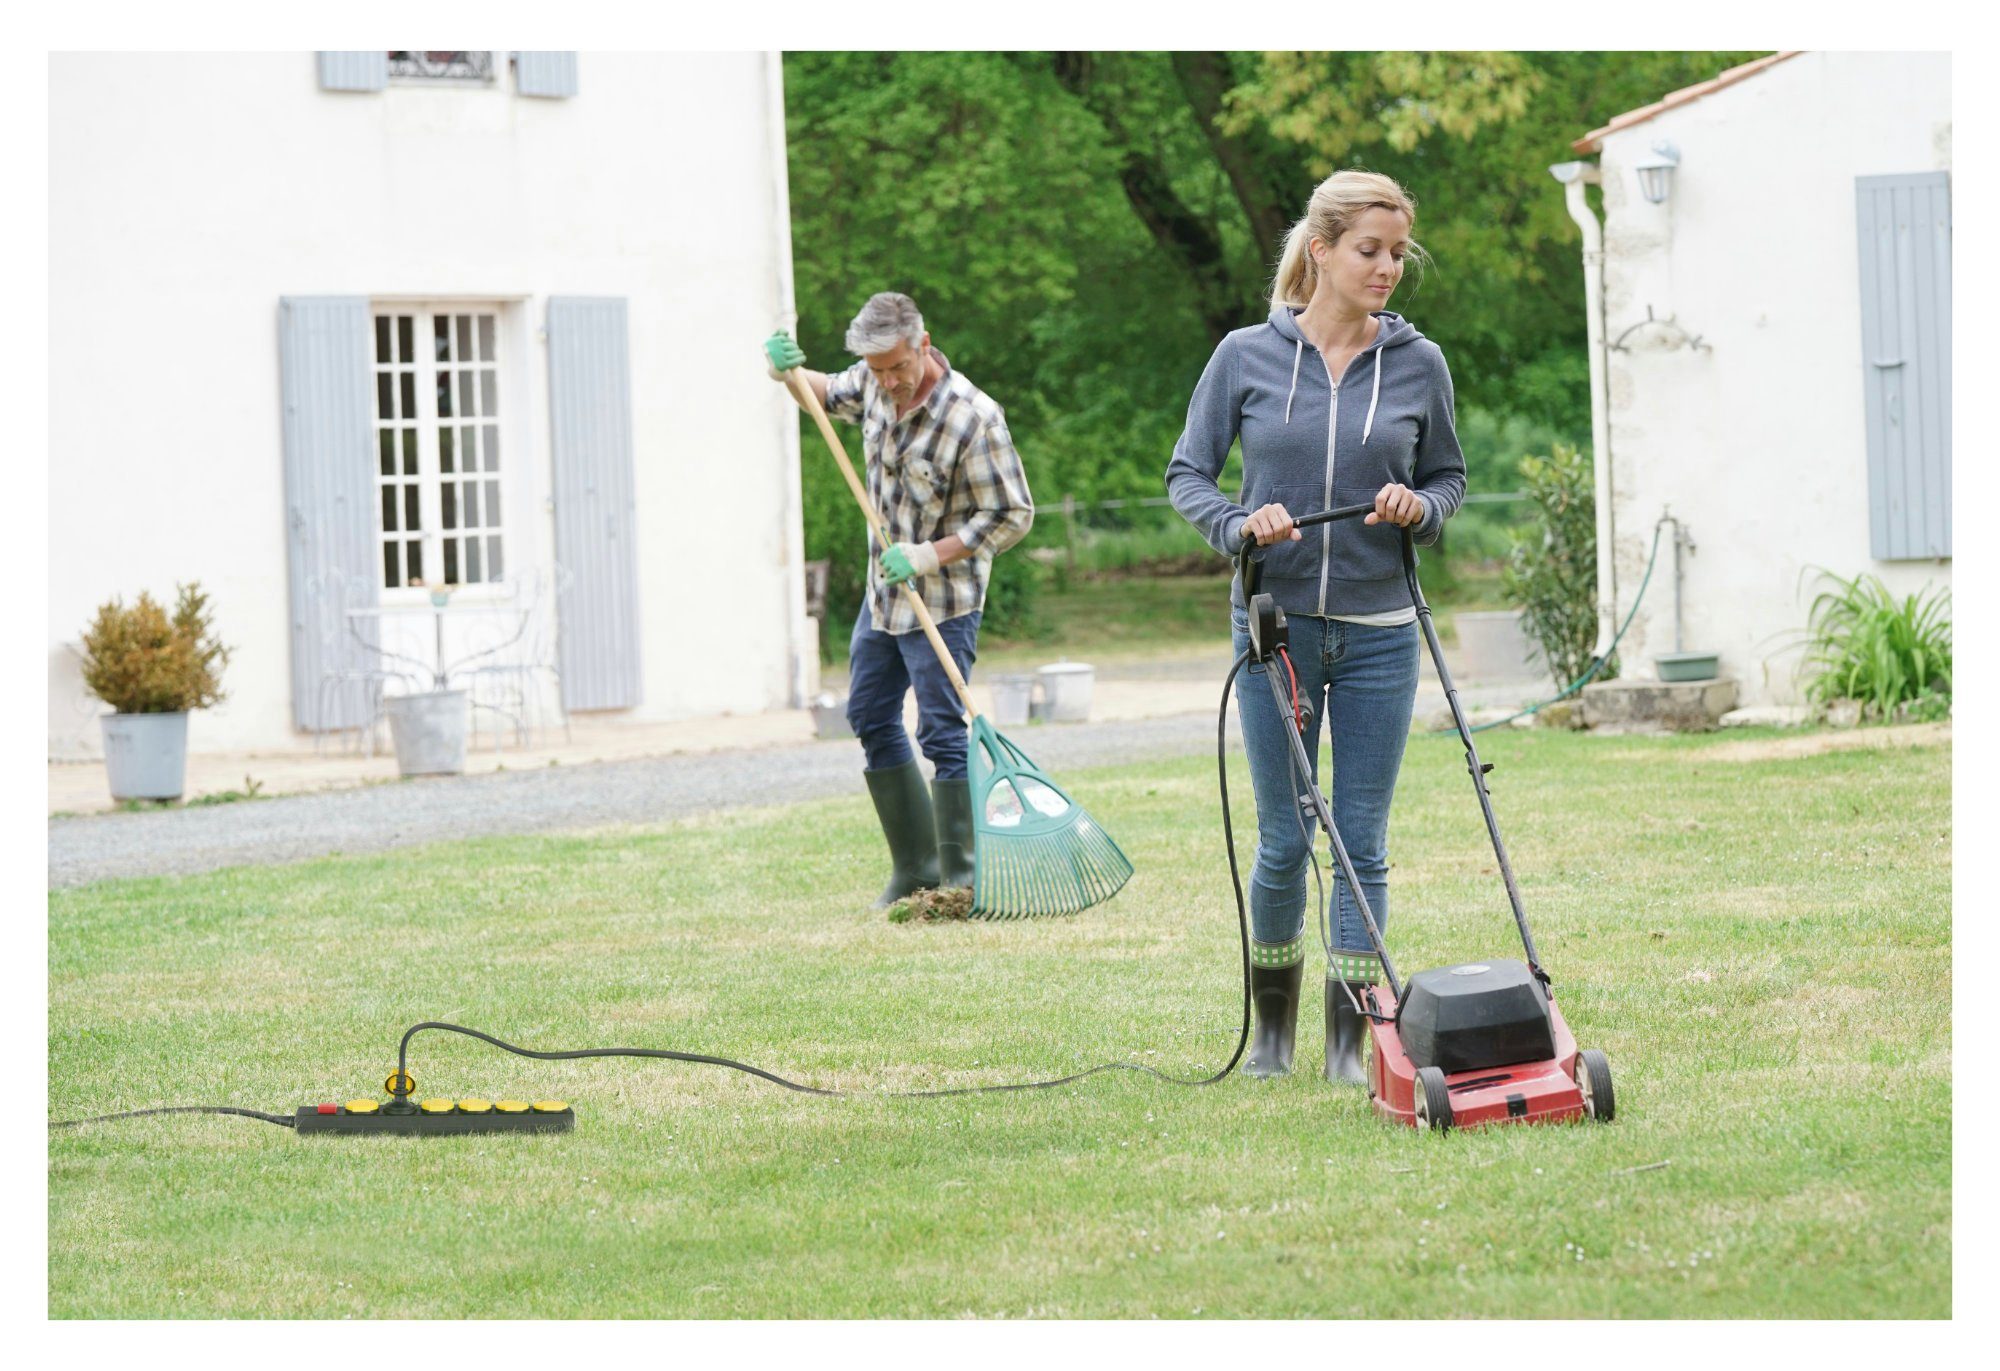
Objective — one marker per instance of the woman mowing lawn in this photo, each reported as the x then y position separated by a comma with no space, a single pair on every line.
1368,418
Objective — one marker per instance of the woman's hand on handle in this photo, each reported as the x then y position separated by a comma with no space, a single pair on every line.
1271,524
1398,505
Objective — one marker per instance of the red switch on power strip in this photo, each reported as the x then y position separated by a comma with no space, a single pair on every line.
329,1109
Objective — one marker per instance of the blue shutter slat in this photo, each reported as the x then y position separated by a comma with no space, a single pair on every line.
1932,235
550,74
590,415
1903,237
331,547
354,70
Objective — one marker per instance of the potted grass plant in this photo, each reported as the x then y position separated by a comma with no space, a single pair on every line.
152,667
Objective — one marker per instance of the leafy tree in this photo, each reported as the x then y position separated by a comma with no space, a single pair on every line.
1080,228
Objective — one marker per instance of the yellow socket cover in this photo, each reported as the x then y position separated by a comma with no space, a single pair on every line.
512,1106
438,1106
476,1106
363,1106
550,1106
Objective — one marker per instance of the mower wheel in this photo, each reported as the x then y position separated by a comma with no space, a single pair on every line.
1433,1100
1593,1078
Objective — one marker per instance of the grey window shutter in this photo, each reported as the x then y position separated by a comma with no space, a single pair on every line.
1904,237
331,544
353,70
590,414
545,73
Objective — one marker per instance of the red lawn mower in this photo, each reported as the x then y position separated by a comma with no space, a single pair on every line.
1477,1043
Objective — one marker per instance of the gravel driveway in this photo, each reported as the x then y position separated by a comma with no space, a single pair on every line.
370,819
292,828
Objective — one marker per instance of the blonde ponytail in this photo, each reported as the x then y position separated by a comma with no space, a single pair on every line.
1293,284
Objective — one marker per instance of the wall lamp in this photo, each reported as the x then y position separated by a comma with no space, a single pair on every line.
1656,172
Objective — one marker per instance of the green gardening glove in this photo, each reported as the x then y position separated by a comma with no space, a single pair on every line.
905,560
783,352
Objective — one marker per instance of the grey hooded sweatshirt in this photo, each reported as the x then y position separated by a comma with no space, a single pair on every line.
1311,445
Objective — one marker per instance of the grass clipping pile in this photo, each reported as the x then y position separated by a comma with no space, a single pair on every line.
933,906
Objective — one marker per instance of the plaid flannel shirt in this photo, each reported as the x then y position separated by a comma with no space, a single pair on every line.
948,466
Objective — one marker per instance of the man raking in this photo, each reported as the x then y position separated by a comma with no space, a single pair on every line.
943,472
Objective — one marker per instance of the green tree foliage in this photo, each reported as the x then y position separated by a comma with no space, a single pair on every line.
1472,136
1080,228
1552,572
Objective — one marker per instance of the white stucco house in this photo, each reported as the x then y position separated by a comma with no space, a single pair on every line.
328,329
1771,339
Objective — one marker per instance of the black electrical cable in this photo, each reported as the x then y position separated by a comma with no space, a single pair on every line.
281,1120
703,1059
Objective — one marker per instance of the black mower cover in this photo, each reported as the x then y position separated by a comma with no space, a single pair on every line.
1474,1016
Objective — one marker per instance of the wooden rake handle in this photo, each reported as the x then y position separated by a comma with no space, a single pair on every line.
809,402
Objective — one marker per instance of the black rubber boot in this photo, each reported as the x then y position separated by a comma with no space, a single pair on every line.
953,802
1344,1030
903,804
1274,990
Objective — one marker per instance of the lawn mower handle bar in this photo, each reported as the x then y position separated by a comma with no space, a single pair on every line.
1249,573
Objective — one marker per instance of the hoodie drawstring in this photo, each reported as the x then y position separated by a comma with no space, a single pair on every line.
1373,397
1298,351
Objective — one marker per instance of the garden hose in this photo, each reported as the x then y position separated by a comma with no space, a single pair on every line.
1596,665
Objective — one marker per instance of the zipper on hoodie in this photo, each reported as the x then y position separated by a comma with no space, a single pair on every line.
1326,501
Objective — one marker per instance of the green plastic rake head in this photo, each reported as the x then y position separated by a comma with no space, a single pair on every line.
1035,850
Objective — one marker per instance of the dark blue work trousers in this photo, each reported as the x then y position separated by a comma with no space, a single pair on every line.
883,667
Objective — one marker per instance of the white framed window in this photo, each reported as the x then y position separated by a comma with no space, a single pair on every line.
440,512
441,66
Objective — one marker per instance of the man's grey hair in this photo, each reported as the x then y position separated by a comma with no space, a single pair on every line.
886,320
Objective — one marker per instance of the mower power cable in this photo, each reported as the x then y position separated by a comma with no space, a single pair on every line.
703,1059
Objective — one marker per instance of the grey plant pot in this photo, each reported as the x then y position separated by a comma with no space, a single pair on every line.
1687,666
145,755
429,730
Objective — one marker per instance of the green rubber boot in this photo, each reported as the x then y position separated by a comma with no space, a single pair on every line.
953,802
903,804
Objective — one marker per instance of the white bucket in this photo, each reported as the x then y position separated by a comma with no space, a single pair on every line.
829,713
1013,700
1066,686
429,729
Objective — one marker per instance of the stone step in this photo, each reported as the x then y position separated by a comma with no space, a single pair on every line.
1654,706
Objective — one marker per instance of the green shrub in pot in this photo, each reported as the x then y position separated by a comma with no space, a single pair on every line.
152,667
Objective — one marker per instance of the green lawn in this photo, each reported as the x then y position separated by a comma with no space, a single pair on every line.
1762,947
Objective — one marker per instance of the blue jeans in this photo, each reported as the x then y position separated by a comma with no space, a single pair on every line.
882,667
1362,683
